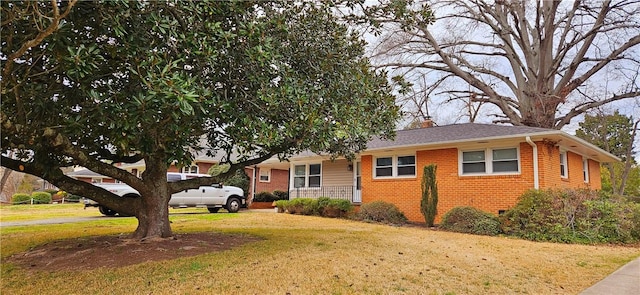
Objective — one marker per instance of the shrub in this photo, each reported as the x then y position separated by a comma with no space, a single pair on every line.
281,205
41,197
573,216
270,197
383,212
334,207
264,197
304,206
20,199
281,195
429,201
470,220
322,207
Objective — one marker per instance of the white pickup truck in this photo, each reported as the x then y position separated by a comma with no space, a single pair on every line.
213,197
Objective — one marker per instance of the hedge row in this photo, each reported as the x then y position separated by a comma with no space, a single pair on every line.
320,207
38,198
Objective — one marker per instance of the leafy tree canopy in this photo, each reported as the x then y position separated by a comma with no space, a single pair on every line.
614,133
121,81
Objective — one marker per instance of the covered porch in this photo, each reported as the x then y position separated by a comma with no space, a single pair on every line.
314,176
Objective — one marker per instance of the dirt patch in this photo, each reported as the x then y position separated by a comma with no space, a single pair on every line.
117,251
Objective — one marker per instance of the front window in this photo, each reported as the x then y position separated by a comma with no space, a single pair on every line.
384,167
300,176
265,175
473,162
490,161
307,175
563,165
395,166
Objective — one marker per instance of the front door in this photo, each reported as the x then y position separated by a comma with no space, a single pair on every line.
357,183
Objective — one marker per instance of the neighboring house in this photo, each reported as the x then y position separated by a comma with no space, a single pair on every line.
480,165
267,179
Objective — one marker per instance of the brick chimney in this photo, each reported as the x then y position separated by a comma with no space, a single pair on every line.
427,123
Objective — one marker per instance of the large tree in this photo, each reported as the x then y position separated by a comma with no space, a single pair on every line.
614,133
121,81
538,63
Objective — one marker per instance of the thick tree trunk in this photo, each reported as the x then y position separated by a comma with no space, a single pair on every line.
153,209
153,219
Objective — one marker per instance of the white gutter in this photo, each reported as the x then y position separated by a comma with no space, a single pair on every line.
536,180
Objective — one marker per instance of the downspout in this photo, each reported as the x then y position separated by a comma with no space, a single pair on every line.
536,180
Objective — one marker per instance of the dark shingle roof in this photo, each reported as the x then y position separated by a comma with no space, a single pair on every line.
454,133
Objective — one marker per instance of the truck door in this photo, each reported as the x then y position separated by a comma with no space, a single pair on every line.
213,195
185,198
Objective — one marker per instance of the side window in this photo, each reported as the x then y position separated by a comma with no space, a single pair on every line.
563,165
505,160
585,170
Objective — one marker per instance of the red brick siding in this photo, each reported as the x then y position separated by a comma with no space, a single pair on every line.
488,193
279,180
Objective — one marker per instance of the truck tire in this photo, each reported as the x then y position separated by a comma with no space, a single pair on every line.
106,211
213,209
233,204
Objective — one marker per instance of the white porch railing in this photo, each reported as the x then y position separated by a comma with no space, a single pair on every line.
347,192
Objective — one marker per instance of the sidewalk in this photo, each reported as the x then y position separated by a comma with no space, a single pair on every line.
625,280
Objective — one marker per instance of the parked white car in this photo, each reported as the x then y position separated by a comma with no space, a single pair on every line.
213,197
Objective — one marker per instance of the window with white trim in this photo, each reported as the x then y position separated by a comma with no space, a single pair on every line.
563,165
395,166
490,161
505,160
193,169
307,175
265,175
585,170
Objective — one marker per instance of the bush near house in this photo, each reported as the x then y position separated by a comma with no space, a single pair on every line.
19,199
41,197
470,220
281,195
380,211
270,197
323,206
573,216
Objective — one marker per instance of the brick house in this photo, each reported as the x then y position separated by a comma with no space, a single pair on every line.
480,165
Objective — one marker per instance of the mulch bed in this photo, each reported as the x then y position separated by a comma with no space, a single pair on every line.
118,251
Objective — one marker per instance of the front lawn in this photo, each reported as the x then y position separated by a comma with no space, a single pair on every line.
303,254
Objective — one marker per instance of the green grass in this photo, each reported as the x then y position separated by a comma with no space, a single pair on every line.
44,211
312,255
